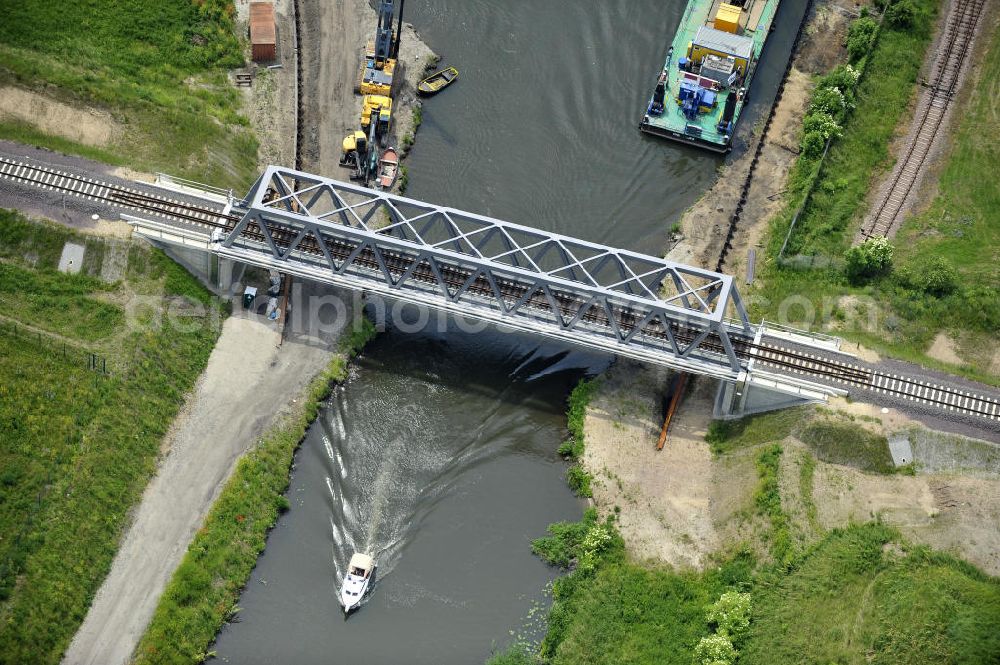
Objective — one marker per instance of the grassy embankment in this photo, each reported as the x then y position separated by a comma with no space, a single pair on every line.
944,278
206,587
77,446
158,68
857,595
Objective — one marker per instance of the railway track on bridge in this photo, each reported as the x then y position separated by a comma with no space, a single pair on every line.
952,53
211,218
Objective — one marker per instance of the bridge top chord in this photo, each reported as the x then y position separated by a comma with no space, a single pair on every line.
685,292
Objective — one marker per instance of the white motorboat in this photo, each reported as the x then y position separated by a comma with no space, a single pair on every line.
360,574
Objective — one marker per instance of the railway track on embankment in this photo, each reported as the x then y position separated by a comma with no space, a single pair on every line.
209,218
949,62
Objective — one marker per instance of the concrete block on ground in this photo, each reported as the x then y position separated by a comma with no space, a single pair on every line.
72,258
899,448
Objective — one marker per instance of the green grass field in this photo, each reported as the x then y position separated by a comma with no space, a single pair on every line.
859,595
898,313
159,68
77,446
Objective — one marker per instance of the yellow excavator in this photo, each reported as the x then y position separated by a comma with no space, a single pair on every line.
381,55
379,109
359,151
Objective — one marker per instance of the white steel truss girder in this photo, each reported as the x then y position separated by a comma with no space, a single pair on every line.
547,283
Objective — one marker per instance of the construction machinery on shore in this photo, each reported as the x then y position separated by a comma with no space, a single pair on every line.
376,82
378,69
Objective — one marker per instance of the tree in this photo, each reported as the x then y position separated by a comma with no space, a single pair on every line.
860,37
870,259
901,14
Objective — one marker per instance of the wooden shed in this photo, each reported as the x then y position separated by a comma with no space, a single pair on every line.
262,32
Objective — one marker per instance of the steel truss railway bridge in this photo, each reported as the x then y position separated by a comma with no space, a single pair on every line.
542,283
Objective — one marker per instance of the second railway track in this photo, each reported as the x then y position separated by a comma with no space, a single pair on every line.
952,54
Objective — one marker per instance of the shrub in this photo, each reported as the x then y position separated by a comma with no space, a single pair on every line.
901,15
517,653
579,480
731,615
584,542
843,78
813,144
870,259
714,650
821,122
830,100
860,37
576,414
940,278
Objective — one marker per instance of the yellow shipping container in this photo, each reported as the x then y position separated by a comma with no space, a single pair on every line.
728,18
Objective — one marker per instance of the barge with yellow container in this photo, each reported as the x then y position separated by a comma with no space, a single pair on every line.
702,89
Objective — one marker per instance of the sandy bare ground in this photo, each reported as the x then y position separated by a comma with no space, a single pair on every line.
84,125
681,505
671,505
246,383
270,100
333,39
955,512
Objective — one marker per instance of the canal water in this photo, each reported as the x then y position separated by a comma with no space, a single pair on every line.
438,455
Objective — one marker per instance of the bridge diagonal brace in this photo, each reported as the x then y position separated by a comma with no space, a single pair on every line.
321,242
612,319
382,264
266,232
528,294
671,338
642,323
695,343
554,305
593,300
305,230
473,277
728,346
419,260
352,257
497,293
441,282
238,230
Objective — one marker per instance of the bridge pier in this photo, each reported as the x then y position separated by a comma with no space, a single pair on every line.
225,274
744,398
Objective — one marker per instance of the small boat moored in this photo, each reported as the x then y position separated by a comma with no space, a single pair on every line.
388,168
437,81
360,573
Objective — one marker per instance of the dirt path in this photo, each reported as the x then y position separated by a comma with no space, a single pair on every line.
246,383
